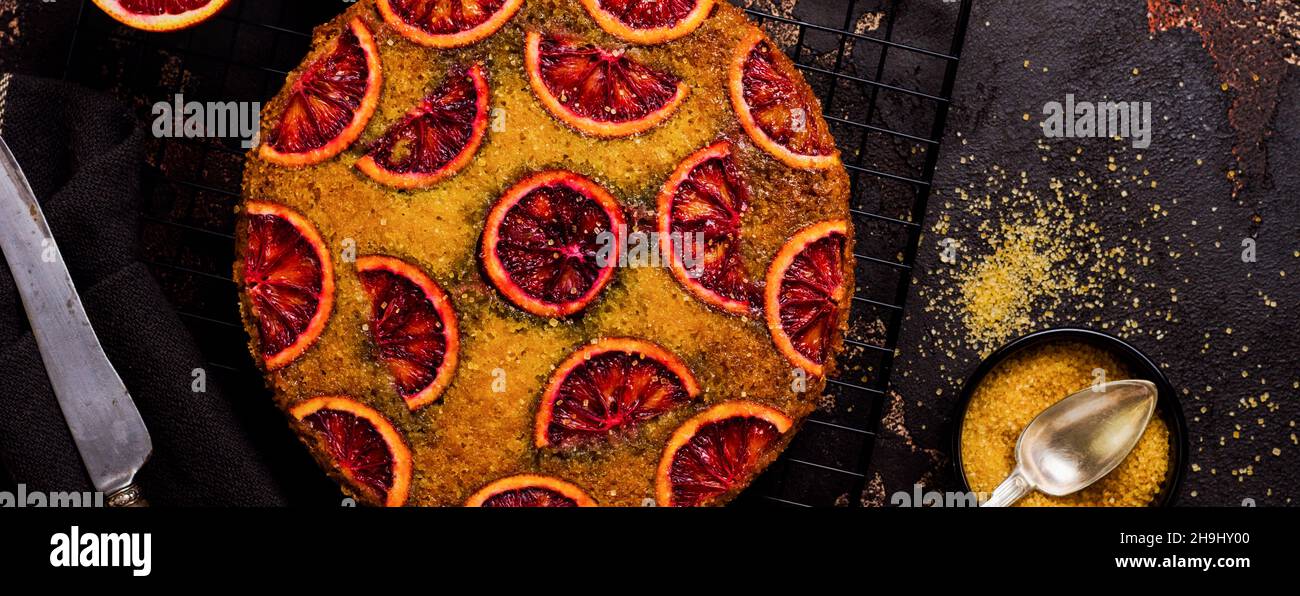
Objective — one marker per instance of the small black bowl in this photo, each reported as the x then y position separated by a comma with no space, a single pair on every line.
1167,406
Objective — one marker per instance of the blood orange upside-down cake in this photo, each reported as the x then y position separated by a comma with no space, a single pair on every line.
545,253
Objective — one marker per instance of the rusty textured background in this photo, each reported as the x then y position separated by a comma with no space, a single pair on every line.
1200,75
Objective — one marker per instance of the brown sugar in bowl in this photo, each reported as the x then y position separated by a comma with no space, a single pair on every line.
1024,377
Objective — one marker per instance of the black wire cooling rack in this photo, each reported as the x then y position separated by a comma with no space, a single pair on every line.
884,70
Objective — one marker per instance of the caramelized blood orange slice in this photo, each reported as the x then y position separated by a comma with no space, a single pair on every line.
329,104
552,243
435,140
717,451
609,386
161,15
704,200
649,21
599,91
777,108
529,490
362,444
805,294
447,23
413,325
289,280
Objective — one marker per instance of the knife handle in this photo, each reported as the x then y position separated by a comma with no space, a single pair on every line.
128,497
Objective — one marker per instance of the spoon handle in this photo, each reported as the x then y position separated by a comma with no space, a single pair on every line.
1010,491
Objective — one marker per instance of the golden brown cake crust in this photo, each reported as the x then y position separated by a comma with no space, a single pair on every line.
473,435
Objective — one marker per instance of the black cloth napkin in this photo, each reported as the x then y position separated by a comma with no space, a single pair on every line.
82,153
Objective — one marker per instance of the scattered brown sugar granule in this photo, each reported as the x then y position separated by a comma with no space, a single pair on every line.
998,293
1034,254
1024,385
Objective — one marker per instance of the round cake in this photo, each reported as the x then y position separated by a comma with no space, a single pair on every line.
545,253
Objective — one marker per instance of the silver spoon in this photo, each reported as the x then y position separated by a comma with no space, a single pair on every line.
1078,440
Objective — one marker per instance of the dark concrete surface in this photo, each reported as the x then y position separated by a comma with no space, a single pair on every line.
1239,394
1090,49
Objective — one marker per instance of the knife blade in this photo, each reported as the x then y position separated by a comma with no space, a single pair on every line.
105,424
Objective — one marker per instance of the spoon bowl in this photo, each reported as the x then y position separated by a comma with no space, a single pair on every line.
1078,440
1083,437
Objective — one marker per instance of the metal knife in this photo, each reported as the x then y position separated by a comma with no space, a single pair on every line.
105,424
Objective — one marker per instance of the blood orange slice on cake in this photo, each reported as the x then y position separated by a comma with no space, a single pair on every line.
607,387
552,243
437,138
363,445
717,452
288,279
161,15
701,206
805,294
413,326
777,108
447,23
649,21
599,91
530,490
329,104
